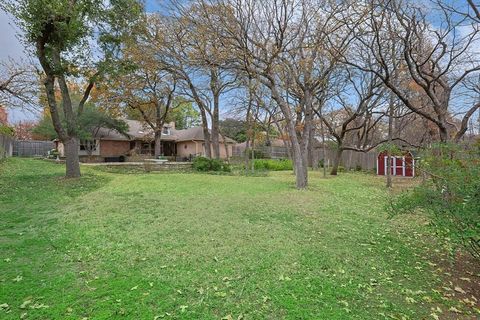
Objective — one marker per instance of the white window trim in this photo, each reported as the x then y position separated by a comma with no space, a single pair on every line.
385,162
394,159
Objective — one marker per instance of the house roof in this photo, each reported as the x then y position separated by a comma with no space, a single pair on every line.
195,133
138,130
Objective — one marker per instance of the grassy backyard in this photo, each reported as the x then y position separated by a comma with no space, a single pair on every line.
199,246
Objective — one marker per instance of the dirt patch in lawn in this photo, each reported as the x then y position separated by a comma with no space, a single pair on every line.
461,286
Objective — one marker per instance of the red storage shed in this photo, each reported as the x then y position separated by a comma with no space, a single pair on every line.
402,166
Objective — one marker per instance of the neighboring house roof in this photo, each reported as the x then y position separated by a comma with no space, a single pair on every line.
138,130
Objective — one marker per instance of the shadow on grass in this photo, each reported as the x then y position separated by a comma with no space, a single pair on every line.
43,183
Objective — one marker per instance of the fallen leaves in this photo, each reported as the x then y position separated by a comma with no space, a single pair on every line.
4,307
284,278
230,317
460,290
410,300
25,304
453,309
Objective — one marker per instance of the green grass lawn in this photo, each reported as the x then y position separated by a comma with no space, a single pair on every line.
199,246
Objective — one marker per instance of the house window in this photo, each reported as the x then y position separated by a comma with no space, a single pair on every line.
88,145
166,131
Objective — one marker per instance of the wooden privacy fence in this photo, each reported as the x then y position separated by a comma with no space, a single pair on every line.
268,151
350,159
6,146
31,148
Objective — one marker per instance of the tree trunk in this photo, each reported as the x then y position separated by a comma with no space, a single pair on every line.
247,158
299,158
253,153
158,143
301,173
390,140
215,129
324,151
310,149
206,135
336,161
71,153
443,134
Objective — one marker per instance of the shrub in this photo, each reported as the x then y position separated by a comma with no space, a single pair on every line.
273,165
203,164
6,130
53,154
450,195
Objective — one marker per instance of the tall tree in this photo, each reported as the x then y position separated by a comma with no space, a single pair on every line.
349,114
278,44
62,33
191,54
438,59
147,89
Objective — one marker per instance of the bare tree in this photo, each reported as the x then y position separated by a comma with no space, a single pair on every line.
19,85
191,54
436,60
148,88
281,44
349,120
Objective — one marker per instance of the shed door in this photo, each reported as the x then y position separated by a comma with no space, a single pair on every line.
398,166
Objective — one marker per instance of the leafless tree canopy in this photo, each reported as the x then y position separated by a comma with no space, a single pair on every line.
368,72
19,85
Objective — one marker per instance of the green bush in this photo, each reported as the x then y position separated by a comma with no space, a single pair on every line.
273,165
53,154
6,130
450,195
203,164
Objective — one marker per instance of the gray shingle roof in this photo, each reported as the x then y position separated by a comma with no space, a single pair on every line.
138,130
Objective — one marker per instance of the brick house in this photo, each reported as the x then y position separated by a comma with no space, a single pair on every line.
109,146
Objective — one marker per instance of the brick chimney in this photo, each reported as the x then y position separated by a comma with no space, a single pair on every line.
3,115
